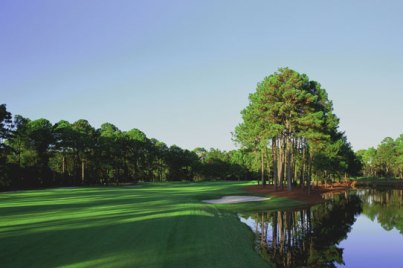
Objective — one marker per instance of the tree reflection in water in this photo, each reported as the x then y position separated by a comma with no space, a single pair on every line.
306,236
384,205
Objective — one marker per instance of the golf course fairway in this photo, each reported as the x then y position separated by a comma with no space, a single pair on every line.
146,225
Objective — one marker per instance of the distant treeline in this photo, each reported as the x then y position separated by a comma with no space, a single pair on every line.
35,153
384,161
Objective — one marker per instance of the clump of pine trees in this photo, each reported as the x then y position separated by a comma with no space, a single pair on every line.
290,123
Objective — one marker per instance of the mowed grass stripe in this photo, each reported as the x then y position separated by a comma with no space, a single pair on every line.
155,225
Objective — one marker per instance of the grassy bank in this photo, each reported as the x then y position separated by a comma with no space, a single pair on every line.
159,225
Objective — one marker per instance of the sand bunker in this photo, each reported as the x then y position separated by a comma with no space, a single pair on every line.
229,199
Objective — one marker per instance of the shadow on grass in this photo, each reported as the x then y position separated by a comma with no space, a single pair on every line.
152,226
170,241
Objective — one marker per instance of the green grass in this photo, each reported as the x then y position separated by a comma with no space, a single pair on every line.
153,225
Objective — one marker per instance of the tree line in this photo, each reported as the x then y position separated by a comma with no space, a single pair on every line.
386,160
37,153
290,123
289,136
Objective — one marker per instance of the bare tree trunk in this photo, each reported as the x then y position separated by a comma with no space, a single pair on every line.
256,152
303,165
308,183
294,154
160,169
268,170
288,164
281,162
274,158
295,170
63,165
262,168
82,171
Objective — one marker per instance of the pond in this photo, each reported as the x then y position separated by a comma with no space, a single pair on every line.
358,228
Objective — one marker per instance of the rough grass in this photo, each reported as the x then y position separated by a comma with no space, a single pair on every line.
155,225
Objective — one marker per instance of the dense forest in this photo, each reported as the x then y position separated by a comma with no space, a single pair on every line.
384,161
37,153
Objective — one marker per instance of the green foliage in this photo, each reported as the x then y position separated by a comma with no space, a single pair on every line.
232,165
289,132
39,154
5,130
5,122
292,117
384,161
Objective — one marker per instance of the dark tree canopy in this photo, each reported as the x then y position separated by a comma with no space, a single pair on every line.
35,153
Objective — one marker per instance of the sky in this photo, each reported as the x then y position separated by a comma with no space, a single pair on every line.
362,246
181,71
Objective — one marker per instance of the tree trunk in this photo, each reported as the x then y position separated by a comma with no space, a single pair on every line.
303,165
294,168
262,168
308,183
288,164
274,158
268,170
281,163
82,171
257,159
63,165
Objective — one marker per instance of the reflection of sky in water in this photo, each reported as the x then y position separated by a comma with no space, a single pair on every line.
251,223
339,230
369,245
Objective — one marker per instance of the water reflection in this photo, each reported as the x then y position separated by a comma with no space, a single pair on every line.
306,236
385,206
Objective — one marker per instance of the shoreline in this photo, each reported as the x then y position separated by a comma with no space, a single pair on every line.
387,183
299,194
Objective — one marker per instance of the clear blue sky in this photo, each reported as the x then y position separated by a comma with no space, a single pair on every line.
181,71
